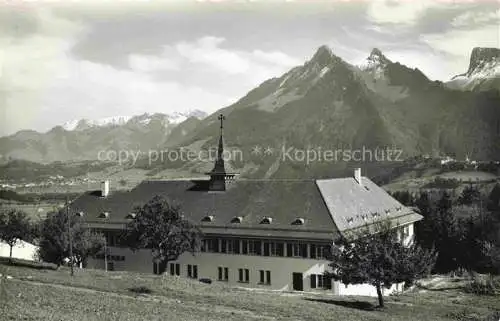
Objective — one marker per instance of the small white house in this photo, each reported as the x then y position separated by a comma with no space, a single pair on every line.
22,250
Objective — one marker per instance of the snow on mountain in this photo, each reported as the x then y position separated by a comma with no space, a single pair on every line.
144,119
483,72
102,122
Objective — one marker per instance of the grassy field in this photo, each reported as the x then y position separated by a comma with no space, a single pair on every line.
41,294
412,182
36,211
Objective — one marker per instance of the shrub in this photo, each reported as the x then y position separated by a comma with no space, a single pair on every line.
481,285
207,281
141,290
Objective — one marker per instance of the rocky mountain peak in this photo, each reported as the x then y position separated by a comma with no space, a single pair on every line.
480,57
323,56
376,57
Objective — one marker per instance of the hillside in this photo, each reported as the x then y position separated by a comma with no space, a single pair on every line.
357,114
32,294
329,104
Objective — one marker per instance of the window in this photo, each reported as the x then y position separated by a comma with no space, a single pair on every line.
230,246
254,247
223,246
406,231
273,248
319,281
192,271
280,249
243,275
269,247
244,247
216,245
223,273
296,250
210,245
298,221
265,277
317,251
235,246
111,266
237,220
175,269
266,220
208,218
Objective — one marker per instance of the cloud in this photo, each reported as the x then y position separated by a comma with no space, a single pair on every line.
206,50
400,12
474,19
44,84
205,55
456,45
149,63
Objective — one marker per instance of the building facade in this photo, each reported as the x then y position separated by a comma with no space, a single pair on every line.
257,233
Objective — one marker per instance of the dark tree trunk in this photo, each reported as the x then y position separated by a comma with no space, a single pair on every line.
380,296
10,256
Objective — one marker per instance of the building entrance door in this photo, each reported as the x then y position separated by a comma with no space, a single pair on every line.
298,281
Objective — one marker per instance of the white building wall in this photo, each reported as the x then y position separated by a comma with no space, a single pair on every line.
282,269
22,250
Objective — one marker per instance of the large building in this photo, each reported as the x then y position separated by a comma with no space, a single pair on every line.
258,233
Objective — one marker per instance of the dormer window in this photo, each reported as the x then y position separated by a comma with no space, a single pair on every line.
237,220
131,216
398,208
375,214
104,215
349,220
298,221
208,218
387,211
266,220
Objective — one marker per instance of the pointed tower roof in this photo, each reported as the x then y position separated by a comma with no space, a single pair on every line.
218,174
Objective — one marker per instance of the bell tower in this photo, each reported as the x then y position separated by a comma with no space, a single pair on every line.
218,175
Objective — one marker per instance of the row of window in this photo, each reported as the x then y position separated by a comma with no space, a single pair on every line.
222,273
265,248
244,275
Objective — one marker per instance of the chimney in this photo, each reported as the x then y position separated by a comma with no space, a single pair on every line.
105,188
357,176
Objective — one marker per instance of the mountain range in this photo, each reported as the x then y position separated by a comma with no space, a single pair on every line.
84,139
326,103
329,104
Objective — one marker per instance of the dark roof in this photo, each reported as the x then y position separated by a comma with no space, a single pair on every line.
318,203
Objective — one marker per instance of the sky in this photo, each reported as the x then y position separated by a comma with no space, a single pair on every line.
68,59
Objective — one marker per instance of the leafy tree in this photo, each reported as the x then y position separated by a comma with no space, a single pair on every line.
448,236
424,231
160,226
379,259
15,226
55,243
494,198
470,195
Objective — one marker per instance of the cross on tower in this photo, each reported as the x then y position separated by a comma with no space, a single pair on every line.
221,118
